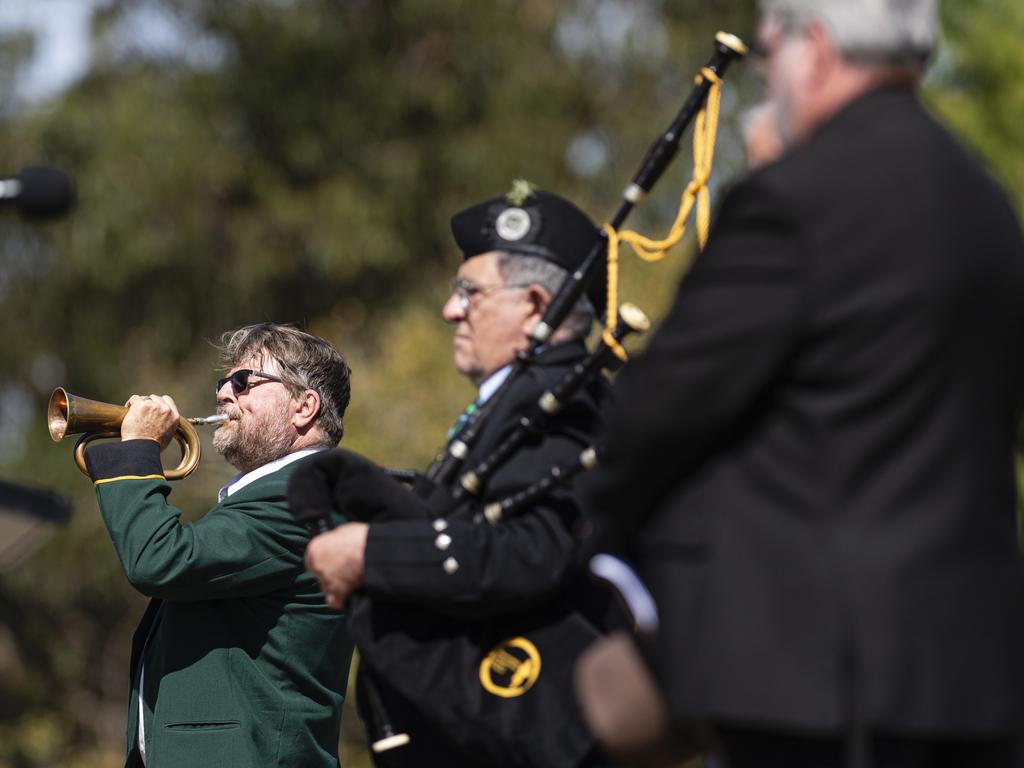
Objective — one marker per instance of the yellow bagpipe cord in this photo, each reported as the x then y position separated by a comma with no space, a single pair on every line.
705,132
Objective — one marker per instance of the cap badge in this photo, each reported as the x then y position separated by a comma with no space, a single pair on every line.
513,224
522,190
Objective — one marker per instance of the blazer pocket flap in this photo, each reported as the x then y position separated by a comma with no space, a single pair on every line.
199,744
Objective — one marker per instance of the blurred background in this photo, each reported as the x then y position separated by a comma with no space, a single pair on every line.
297,161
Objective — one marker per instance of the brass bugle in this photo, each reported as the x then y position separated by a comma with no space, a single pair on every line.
69,414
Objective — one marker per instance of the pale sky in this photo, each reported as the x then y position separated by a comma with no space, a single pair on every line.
62,42
62,36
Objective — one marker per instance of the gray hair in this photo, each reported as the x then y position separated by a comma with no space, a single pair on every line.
516,268
305,362
871,32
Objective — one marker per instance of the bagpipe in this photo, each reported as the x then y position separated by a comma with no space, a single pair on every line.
470,679
662,151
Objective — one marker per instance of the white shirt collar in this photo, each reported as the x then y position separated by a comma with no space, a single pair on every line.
490,386
239,481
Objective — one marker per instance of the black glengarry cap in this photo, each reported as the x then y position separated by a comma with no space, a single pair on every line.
533,223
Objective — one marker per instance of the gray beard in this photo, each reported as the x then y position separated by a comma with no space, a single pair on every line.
252,442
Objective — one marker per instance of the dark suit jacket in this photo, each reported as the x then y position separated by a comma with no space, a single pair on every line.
501,568
244,664
424,630
813,463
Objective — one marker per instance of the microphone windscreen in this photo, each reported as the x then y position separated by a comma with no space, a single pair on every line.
349,487
28,516
45,192
310,491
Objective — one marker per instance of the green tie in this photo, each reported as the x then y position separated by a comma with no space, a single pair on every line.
464,417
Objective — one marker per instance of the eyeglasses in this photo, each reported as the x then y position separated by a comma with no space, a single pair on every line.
466,290
240,380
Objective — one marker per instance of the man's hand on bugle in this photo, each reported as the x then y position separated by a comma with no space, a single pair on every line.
150,417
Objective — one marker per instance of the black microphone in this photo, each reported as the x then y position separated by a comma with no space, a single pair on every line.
38,192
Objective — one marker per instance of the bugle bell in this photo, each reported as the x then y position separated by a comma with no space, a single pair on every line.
69,414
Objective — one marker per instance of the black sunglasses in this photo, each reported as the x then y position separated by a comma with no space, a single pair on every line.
240,380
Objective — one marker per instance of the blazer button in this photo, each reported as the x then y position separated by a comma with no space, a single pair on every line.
443,541
451,565
440,524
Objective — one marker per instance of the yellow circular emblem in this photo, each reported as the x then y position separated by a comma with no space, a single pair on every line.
511,668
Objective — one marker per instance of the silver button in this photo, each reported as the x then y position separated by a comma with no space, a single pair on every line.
440,524
443,541
451,565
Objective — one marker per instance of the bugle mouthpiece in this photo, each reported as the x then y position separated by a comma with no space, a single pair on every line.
217,418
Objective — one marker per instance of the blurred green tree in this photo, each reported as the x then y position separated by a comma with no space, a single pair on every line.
297,161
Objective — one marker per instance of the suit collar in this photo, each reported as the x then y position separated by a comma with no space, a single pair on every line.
862,107
242,480
554,354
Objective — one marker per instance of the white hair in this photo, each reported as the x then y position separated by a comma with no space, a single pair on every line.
893,32
522,269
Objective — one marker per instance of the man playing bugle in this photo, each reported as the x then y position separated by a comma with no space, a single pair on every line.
468,625
812,465
237,660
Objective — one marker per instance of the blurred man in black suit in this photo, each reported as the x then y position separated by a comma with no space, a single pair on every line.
813,464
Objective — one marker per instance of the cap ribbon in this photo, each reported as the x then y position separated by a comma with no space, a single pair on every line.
705,132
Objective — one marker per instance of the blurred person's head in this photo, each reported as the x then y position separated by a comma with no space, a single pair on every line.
762,138
284,390
822,54
518,251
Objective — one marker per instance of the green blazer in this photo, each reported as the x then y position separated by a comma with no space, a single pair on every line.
244,664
